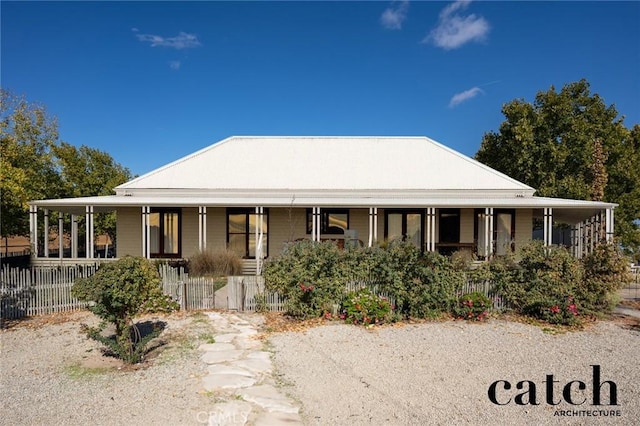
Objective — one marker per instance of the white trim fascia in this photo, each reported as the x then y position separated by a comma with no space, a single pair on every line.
111,202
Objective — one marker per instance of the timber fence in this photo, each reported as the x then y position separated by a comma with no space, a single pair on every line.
632,291
248,293
40,290
46,290
190,292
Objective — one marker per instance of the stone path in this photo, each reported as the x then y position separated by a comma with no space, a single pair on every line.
241,373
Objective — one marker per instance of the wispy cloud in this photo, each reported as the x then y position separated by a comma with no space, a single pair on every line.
175,65
458,98
393,16
455,29
181,41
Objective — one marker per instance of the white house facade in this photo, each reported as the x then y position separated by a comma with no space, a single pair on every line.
254,194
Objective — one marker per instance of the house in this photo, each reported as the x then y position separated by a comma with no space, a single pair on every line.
254,194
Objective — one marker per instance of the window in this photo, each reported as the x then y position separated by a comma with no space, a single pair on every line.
241,232
165,232
449,225
332,221
503,233
405,224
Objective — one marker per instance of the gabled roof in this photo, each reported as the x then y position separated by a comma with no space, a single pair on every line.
290,164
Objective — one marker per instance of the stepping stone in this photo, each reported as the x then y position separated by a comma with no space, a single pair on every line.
227,381
277,419
260,366
227,369
216,316
233,413
259,355
244,342
268,397
216,347
225,338
215,357
234,318
247,331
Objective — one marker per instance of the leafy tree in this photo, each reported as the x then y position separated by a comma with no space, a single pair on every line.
34,165
570,144
27,170
86,172
120,291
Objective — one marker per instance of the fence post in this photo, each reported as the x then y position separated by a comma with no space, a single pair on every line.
183,299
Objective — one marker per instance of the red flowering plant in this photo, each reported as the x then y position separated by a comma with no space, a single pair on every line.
564,312
364,307
473,306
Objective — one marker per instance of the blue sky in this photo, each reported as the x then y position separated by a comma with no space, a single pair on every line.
149,82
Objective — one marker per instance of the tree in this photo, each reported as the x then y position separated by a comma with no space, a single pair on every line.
27,170
86,172
570,144
120,291
35,165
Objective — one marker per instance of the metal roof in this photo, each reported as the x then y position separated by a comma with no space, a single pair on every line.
349,172
269,163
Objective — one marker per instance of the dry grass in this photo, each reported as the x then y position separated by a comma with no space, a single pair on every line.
215,263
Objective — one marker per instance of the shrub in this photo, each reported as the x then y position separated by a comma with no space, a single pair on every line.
550,284
461,260
541,283
606,270
424,284
364,307
215,263
120,291
473,307
310,275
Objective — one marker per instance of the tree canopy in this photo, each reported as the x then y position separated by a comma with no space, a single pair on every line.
35,164
570,144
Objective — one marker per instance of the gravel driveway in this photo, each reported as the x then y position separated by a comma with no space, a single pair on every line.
422,374
440,373
50,374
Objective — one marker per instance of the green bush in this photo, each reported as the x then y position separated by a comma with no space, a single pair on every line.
218,263
312,277
424,284
546,283
120,291
364,307
473,307
550,284
606,270
309,275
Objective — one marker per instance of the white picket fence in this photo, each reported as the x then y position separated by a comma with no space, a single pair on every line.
488,289
46,290
40,290
190,292
247,293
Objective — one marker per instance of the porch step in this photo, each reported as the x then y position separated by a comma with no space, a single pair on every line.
249,267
